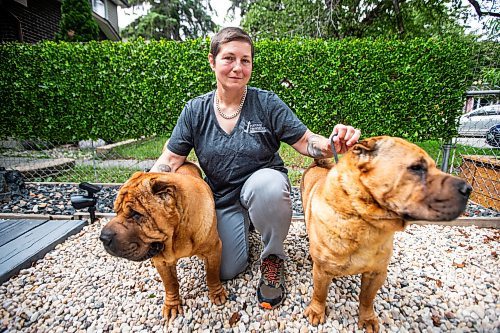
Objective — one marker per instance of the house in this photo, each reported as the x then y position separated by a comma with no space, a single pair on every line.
31,21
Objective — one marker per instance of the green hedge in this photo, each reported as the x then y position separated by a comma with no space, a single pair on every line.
69,91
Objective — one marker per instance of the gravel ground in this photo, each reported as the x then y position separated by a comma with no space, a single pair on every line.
441,279
55,200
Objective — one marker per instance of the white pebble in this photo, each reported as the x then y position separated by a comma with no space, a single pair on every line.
80,283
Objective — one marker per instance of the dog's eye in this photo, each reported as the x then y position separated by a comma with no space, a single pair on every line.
136,216
417,168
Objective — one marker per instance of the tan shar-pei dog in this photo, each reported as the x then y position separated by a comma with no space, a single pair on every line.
167,216
353,209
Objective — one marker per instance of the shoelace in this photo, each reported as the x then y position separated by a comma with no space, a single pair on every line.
270,270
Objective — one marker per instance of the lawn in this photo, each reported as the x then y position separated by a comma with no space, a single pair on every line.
86,173
150,149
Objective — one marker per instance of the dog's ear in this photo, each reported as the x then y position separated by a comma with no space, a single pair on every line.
365,151
367,146
161,187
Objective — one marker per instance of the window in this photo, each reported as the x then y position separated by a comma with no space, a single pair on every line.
100,8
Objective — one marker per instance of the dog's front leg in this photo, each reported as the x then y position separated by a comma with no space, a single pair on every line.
168,272
315,311
370,284
212,259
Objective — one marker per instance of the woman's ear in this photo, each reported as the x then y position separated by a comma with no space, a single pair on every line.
211,60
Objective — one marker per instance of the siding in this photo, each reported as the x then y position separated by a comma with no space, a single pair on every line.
113,15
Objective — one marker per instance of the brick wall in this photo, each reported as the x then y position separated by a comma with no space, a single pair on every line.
39,20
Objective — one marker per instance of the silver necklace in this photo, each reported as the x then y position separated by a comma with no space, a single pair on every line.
231,116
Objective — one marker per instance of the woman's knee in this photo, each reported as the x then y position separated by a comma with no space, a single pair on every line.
268,185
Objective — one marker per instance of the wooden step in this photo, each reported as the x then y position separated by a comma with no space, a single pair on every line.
23,241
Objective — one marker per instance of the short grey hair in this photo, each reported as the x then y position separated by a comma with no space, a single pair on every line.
227,35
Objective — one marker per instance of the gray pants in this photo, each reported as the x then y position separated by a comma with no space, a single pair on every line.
264,200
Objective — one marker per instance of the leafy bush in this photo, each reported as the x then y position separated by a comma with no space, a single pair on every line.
70,91
77,24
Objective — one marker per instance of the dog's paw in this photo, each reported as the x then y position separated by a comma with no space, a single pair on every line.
370,324
218,297
315,317
171,309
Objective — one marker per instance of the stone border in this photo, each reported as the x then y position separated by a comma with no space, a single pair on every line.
481,222
107,148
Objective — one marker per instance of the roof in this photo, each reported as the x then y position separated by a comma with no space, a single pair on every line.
121,3
106,27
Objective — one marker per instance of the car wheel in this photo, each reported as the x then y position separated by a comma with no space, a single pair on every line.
493,136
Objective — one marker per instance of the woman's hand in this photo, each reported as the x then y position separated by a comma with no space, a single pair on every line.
317,146
344,137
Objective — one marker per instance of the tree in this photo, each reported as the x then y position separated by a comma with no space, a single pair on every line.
350,18
171,19
487,13
243,5
485,8
77,24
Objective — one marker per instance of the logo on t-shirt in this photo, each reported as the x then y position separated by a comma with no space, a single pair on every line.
252,128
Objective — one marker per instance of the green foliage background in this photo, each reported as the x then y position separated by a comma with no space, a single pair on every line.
76,16
65,92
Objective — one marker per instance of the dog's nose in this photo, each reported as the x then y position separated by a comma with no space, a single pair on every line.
107,236
464,189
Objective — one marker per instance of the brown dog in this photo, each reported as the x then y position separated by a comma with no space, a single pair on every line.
353,209
167,216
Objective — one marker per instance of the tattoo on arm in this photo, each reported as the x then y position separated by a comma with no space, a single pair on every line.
164,168
313,147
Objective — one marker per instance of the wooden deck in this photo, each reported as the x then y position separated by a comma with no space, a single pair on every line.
24,241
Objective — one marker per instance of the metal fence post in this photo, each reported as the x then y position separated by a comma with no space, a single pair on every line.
446,155
94,162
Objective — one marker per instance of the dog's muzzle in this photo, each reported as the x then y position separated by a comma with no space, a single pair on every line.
106,237
131,250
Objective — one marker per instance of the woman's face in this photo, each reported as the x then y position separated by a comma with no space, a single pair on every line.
233,64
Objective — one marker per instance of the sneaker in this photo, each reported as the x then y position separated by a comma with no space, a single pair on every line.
271,290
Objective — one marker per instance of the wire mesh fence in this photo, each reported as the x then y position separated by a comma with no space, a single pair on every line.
92,161
473,155
477,147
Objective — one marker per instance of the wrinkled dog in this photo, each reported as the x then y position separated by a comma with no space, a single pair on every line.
167,216
353,209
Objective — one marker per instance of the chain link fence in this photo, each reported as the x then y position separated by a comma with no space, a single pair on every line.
91,161
472,155
475,151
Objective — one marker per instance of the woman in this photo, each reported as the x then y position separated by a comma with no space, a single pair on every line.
236,132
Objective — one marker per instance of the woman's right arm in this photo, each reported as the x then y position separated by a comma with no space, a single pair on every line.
168,162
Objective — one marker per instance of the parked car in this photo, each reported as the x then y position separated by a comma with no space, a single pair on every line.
477,122
493,136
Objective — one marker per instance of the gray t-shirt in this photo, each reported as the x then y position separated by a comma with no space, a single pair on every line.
229,159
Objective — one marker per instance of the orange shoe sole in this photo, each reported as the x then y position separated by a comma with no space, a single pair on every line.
266,306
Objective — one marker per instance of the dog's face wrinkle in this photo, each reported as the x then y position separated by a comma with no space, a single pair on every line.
131,249
147,224
367,198
403,189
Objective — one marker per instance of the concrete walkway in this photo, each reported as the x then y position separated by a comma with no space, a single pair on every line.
143,165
